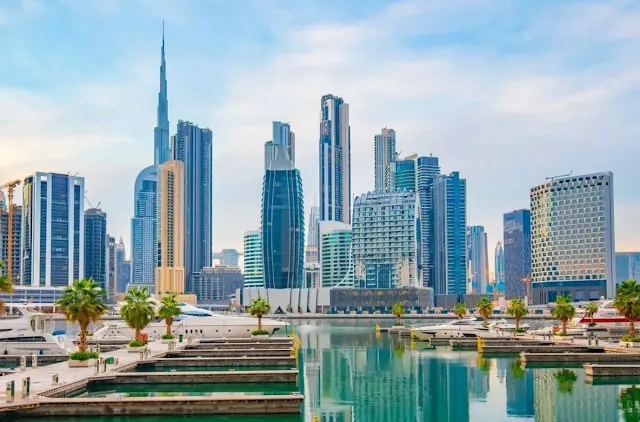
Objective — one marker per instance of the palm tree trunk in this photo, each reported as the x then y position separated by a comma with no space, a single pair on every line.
259,323
632,327
564,326
398,320
138,334
83,336
168,321
517,323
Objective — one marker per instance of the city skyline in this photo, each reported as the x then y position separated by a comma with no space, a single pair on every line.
118,116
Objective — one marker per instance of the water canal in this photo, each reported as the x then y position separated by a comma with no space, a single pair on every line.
353,374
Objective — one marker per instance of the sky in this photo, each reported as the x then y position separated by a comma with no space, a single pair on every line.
507,92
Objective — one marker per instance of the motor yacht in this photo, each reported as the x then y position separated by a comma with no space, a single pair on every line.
504,325
31,332
195,323
460,328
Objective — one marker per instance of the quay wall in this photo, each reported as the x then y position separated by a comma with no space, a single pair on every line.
529,357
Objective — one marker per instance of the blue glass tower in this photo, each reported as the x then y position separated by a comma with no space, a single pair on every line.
162,149
143,228
95,246
517,252
282,224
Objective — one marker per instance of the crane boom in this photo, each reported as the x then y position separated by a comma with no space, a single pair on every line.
10,186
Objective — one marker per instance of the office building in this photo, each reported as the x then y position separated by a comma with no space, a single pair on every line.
282,224
311,254
385,239
627,266
53,230
314,216
572,238
95,246
144,256
498,258
450,240
228,257
384,154
162,149
170,273
16,236
335,160
312,275
336,264
194,147
269,154
517,252
112,269
478,256
123,268
217,284
253,272
282,135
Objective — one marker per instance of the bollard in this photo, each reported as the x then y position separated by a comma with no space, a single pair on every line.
34,360
104,364
116,361
589,341
26,387
597,341
54,379
98,348
11,391
141,354
23,363
96,367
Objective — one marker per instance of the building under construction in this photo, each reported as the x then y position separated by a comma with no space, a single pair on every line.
15,234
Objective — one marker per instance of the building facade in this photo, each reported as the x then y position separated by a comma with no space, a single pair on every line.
450,237
335,160
386,240
95,246
572,238
478,256
112,269
217,284
53,229
312,275
313,236
269,154
170,273
253,271
336,263
14,255
517,252
498,258
282,224
282,135
228,257
627,266
123,268
144,256
194,147
384,154
161,146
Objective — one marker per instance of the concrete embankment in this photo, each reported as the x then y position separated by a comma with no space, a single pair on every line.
528,357
622,370
518,348
244,346
284,361
228,353
42,359
473,344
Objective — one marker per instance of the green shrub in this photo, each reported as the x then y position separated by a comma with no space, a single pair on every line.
83,355
520,330
592,324
136,343
630,339
562,334
259,333
398,324
168,336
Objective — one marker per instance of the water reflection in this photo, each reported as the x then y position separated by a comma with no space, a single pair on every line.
350,375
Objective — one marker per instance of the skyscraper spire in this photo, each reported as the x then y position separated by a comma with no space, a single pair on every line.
162,150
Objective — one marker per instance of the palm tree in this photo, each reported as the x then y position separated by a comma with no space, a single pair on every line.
82,303
460,310
259,308
518,310
485,309
137,310
6,286
627,302
566,378
591,309
397,311
564,311
168,310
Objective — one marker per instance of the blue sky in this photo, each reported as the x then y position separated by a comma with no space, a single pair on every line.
506,92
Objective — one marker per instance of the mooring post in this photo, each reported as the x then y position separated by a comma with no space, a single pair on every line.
11,391
97,367
34,360
26,387
23,363
54,379
103,361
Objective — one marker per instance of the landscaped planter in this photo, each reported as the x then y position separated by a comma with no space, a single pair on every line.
260,336
630,344
131,349
167,340
81,363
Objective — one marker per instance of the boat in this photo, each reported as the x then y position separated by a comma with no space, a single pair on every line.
460,328
504,325
195,323
606,317
31,333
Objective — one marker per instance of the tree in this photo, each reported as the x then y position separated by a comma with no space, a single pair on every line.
397,311
137,310
460,310
592,309
566,378
518,310
82,302
6,286
259,308
168,310
485,309
564,311
627,302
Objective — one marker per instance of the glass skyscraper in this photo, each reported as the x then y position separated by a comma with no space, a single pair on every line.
282,224
144,256
123,270
335,160
282,135
336,263
450,239
517,252
162,149
95,246
313,236
194,147
385,153
478,258
53,229
253,272
627,266
498,257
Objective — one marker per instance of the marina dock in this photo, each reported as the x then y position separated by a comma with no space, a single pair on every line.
598,370
527,357
235,352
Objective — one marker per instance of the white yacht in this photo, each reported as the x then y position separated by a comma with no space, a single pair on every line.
460,328
504,325
194,322
31,333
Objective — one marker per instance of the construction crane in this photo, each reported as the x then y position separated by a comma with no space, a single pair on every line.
527,287
10,186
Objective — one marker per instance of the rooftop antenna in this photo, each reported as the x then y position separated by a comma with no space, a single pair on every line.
552,178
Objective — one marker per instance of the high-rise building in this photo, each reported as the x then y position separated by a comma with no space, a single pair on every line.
253,272
498,257
313,236
478,256
282,224
627,266
517,252
217,284
311,255
162,149
336,264
228,257
282,135
112,269
144,256
123,269
53,229
335,160
385,153
572,239
95,246
385,239
194,147
450,240
16,246
269,154
170,273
